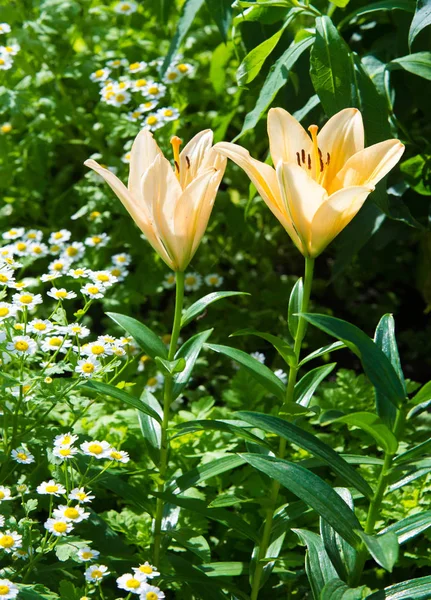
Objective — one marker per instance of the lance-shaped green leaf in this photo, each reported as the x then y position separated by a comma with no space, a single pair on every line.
188,352
374,426
421,19
415,452
370,7
206,471
295,306
311,443
221,13
233,427
383,548
261,373
200,305
342,555
284,349
376,364
336,589
410,527
322,351
418,64
255,59
170,367
412,589
145,338
307,385
318,566
150,428
105,389
315,492
385,339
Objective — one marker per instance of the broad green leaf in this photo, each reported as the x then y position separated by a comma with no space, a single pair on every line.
376,365
225,569
150,428
295,306
310,488
130,494
342,555
317,563
307,385
283,348
35,592
412,589
338,590
170,367
205,471
195,543
410,527
276,79
197,580
146,339
415,170
189,351
352,459
384,338
109,390
383,548
370,7
220,58
322,351
253,62
221,13
423,395
200,305
418,64
190,10
261,373
374,426
415,452
421,19
224,426
311,443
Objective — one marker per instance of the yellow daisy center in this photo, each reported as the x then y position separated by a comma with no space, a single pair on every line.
140,83
60,294
86,555
2,495
6,541
96,239
72,251
93,289
97,349
133,583
99,73
95,448
116,455
4,590
55,341
97,574
152,381
147,569
182,68
26,298
52,488
88,368
152,596
21,246
22,346
65,452
71,513
40,326
60,527
81,495
153,89
3,278
4,311
22,455
152,120
116,272
168,113
102,277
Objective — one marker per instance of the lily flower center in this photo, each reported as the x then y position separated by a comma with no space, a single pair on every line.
317,161
176,143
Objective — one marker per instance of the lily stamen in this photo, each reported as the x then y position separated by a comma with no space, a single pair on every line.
176,143
313,129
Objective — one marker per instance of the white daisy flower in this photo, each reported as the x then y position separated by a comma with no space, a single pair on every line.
34,235
26,300
8,589
6,62
131,583
98,240
40,326
104,277
20,285
118,350
169,281
96,573
185,69
97,348
17,390
55,249
60,265
54,343
120,98
50,276
172,76
169,113
147,106
142,362
151,592
93,290
116,63
258,356
65,452
119,272
51,488
10,540
192,282
65,439
125,8
15,232
21,247
61,294
122,260
139,85
22,456
74,251
149,571
76,329
5,493
214,280
100,75
126,158
6,276
7,310
133,116
119,455
38,249
153,122
58,527
12,50
19,554
78,272
155,383
96,449
88,367
137,67
4,28
58,237
81,495
155,90
22,345
86,554
74,514
281,375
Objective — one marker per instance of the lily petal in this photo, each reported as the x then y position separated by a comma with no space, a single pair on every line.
193,156
114,183
369,166
143,153
334,214
287,137
341,137
302,197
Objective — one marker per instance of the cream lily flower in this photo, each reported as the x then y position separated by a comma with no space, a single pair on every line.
170,206
320,181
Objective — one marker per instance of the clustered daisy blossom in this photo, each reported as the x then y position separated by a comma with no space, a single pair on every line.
139,582
7,52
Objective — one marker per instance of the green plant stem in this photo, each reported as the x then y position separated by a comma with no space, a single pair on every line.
290,392
376,502
167,400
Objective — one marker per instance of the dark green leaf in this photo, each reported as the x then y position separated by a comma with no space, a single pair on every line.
312,490
145,338
410,527
295,306
109,390
370,7
283,348
224,569
205,471
374,426
150,428
307,385
311,443
376,364
200,305
421,19
261,373
322,351
317,564
423,395
412,589
224,426
338,590
195,543
221,12
383,548
169,367
418,64
415,452
189,351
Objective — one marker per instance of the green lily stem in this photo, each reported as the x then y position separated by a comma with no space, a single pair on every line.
376,502
290,391
167,400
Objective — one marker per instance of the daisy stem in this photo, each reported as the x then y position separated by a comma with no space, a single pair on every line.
167,400
275,488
